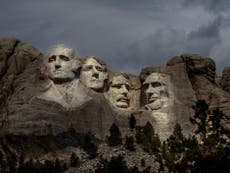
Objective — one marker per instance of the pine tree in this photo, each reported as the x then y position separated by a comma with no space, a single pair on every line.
90,146
57,166
148,139
176,140
64,167
21,164
12,163
49,166
29,166
115,136
129,143
143,162
200,118
74,160
216,128
132,122
3,164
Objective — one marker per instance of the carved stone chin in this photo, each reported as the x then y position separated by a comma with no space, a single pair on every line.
93,74
118,92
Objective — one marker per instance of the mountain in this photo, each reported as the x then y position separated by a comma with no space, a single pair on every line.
48,118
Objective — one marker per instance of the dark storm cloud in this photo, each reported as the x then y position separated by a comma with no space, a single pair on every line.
127,34
211,5
153,50
205,38
212,30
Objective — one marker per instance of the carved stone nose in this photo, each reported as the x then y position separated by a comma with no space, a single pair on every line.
124,90
57,66
96,75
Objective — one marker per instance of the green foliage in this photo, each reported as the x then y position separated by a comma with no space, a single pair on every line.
129,143
3,164
57,166
37,167
10,165
148,139
115,136
176,140
12,162
117,164
211,154
90,145
74,160
200,118
132,122
143,162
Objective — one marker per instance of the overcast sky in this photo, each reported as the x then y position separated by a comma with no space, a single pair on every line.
127,34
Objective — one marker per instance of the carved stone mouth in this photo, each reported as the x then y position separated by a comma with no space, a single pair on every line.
95,80
123,100
58,71
152,99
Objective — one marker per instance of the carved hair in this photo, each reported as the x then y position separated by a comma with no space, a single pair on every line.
63,46
149,70
103,64
115,74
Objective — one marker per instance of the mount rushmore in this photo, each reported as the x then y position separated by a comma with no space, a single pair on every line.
51,94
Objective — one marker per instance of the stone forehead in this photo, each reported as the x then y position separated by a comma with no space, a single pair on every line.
156,77
120,79
62,49
117,75
85,59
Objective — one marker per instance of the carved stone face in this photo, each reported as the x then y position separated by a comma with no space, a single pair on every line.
61,64
156,91
118,92
93,74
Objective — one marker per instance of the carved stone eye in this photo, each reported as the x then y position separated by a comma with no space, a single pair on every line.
117,86
87,67
156,84
52,58
99,68
65,58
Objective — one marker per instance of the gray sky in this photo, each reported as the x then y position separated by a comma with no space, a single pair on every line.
127,34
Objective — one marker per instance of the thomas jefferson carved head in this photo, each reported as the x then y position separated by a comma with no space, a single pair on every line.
118,90
62,63
93,73
155,87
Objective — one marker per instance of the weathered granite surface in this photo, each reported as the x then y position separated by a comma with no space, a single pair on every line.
87,97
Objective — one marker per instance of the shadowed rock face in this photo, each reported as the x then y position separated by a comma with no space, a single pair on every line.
226,79
50,95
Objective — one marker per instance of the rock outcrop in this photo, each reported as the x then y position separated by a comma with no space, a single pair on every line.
225,81
51,95
48,103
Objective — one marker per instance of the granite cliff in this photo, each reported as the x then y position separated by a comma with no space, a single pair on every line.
62,92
